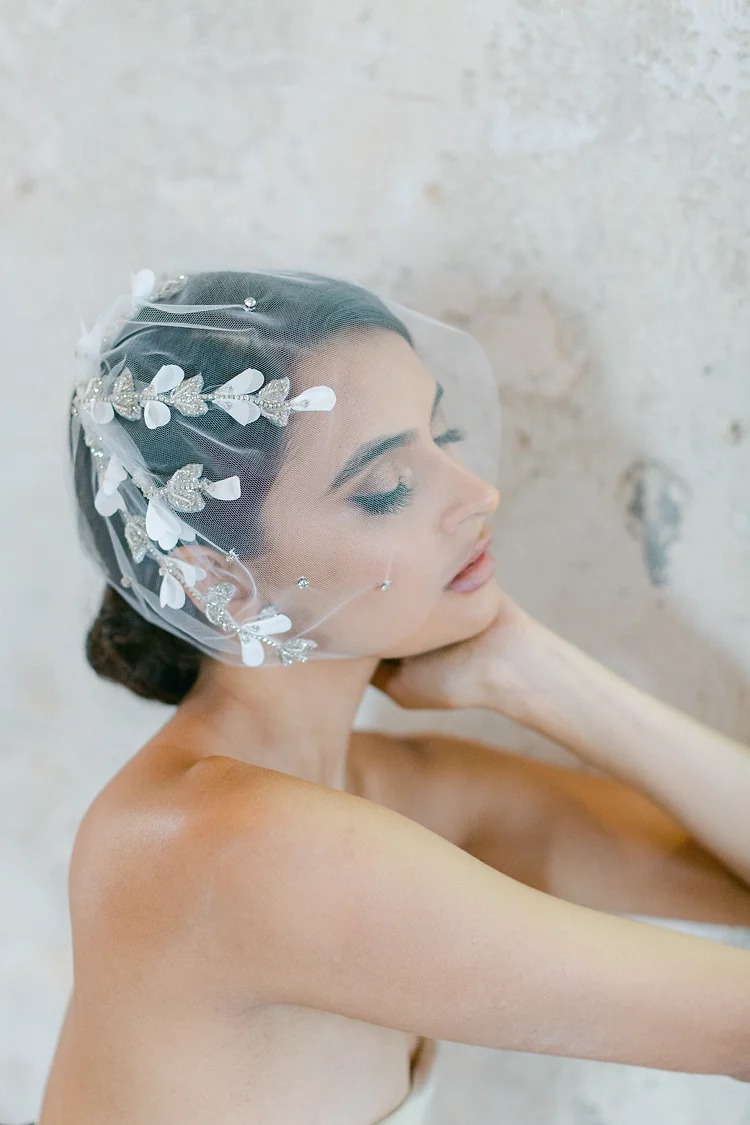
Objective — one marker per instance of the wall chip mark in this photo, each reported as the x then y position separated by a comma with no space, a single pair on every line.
654,499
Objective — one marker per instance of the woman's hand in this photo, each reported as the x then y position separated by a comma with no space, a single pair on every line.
490,669
520,668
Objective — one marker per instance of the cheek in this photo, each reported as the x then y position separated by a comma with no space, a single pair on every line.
335,559
454,618
375,620
345,555
340,548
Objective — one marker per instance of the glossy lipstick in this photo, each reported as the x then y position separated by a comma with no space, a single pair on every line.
478,570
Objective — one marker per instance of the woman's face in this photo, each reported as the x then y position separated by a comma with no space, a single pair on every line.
375,490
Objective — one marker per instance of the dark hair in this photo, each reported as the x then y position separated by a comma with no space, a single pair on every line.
121,644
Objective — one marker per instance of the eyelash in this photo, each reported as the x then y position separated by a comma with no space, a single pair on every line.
450,436
380,503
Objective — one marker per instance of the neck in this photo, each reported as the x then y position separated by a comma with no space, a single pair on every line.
297,719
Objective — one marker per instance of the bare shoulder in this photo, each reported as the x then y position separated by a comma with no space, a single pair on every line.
160,810
136,856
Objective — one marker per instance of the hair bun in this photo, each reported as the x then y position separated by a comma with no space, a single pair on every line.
123,647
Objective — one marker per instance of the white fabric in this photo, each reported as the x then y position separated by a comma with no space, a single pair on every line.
413,1109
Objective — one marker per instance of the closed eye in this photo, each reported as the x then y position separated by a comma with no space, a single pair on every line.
384,502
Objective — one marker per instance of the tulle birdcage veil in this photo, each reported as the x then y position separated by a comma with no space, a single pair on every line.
229,436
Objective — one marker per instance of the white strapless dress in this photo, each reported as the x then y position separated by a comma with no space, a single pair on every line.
413,1109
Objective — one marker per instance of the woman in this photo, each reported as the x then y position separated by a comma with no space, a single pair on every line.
274,918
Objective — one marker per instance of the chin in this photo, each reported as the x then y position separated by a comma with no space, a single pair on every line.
456,617
469,614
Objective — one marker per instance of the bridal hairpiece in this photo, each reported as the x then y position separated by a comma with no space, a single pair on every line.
170,388
216,510
245,398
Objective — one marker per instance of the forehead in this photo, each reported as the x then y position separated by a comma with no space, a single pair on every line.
381,386
367,359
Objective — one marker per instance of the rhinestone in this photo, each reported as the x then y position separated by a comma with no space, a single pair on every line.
171,287
294,651
124,397
250,302
270,401
125,581
183,489
187,397
303,582
216,606
385,585
137,537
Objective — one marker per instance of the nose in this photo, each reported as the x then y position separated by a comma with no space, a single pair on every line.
473,497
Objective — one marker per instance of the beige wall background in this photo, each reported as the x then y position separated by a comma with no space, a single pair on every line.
568,181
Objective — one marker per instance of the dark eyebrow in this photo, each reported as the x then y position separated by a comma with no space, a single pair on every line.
373,449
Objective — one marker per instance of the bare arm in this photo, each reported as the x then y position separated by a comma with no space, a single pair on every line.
523,670
323,899
699,775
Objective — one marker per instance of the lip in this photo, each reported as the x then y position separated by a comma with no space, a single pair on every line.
478,549
473,576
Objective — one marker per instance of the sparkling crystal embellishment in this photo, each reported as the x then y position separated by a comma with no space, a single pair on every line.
137,537
171,287
187,397
291,651
115,390
243,396
184,489
216,605
124,397
294,651
270,400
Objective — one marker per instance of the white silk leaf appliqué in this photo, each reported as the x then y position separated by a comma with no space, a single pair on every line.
243,411
172,592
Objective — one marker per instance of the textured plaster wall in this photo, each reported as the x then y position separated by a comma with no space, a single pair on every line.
570,182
